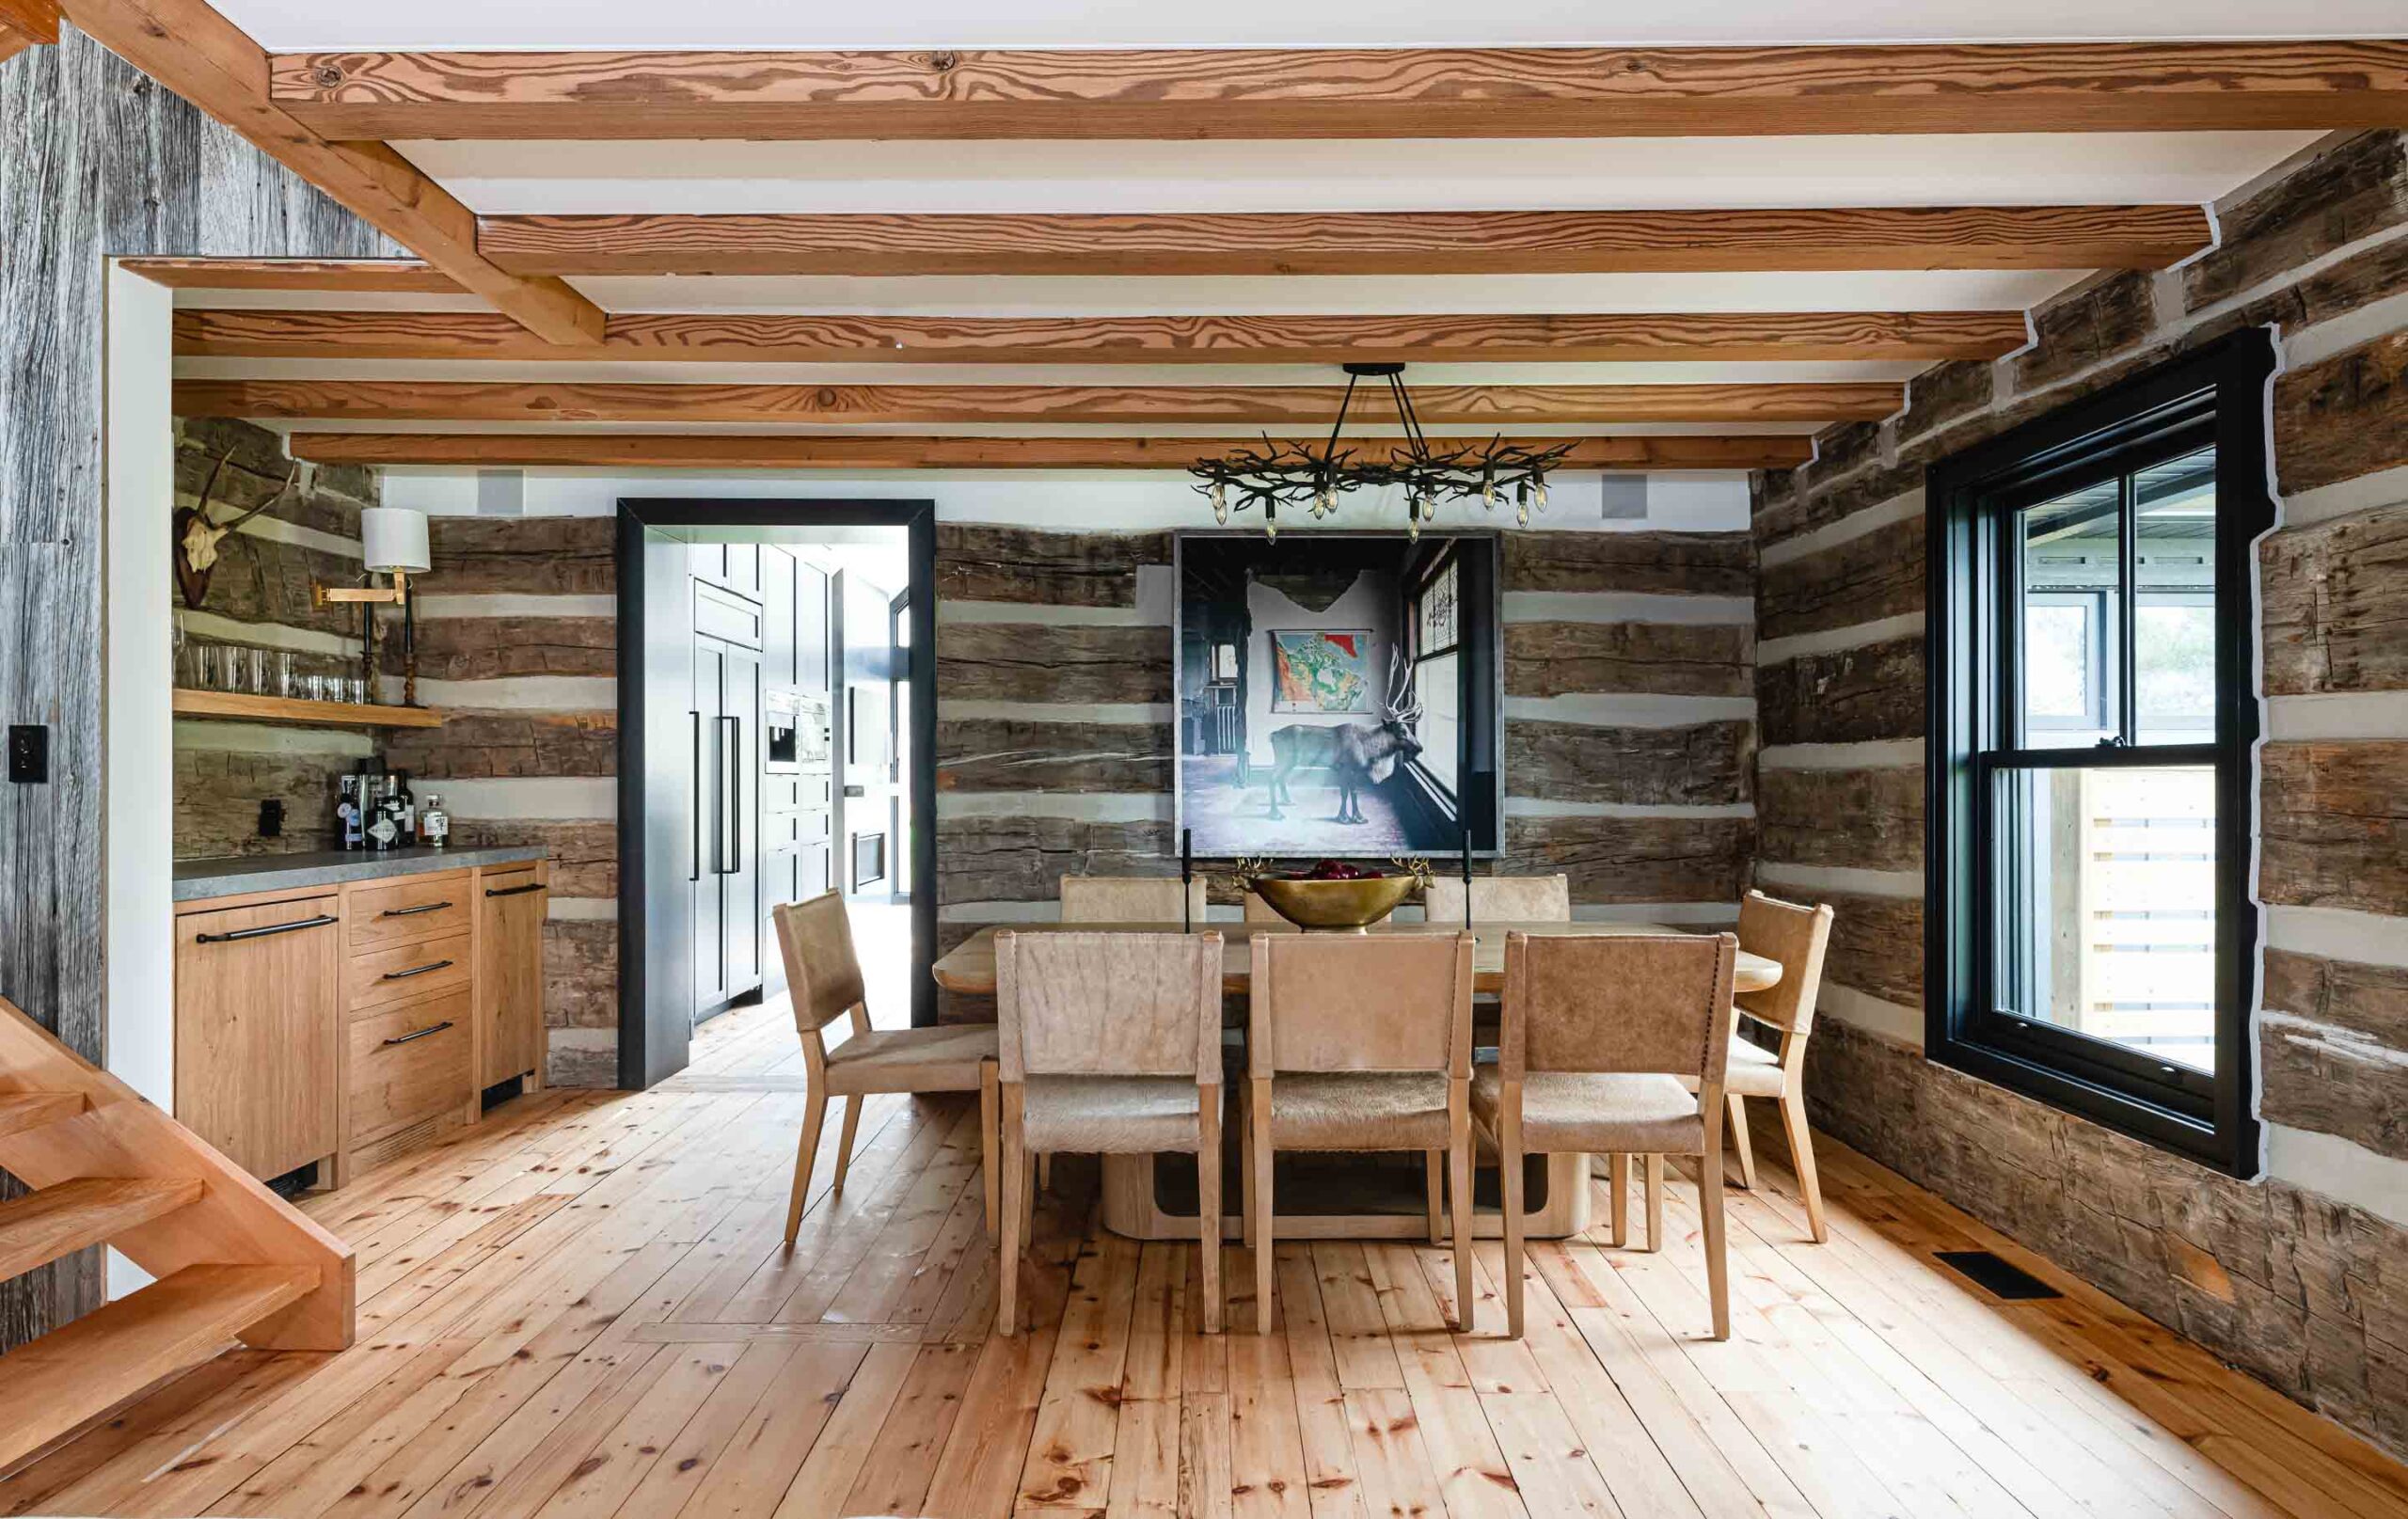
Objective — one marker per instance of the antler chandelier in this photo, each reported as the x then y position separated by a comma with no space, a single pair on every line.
1288,474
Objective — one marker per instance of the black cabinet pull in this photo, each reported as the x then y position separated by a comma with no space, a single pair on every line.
515,891
319,922
421,1033
412,913
415,970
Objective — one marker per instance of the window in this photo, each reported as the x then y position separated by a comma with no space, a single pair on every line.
2091,648
1437,670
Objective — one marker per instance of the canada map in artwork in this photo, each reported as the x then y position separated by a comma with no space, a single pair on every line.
1320,671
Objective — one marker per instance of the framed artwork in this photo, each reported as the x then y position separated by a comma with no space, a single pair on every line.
1324,671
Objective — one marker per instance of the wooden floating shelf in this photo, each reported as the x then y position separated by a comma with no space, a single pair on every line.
196,703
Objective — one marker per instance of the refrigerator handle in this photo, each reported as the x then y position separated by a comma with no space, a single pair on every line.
734,752
719,799
697,873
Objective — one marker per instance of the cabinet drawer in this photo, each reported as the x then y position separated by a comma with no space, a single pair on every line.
408,1063
402,972
414,908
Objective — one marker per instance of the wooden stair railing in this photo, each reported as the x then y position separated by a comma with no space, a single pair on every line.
233,1261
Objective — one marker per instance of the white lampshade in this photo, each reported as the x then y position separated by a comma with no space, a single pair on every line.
395,537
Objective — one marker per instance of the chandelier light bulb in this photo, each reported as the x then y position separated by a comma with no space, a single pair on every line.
1271,522
1540,491
1220,503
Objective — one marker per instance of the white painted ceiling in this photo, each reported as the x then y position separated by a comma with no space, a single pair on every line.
299,25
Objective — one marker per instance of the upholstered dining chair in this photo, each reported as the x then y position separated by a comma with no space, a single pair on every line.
1359,1043
824,978
1797,936
1614,1043
1131,900
1110,1043
1499,899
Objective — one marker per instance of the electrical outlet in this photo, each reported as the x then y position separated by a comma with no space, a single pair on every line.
29,753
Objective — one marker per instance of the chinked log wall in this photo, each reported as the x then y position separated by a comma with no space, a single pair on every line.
519,644
1629,701
2306,1290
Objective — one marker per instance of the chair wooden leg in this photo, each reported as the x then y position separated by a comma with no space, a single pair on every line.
1618,1194
1801,1155
1015,1169
1045,1173
1028,1201
815,1113
1656,1199
1709,1207
1434,1173
1208,1204
990,1116
1747,1153
845,1141
1459,1179
1257,1200
1509,1161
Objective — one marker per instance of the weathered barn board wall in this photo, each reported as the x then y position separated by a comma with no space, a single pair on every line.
95,160
2307,1290
1653,811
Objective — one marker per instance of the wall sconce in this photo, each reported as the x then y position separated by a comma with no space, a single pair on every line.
394,538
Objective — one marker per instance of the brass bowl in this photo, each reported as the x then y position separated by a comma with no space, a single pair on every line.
1335,904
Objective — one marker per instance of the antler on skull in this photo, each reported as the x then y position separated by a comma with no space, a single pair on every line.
202,535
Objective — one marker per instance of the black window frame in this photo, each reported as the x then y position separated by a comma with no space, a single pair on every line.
1447,799
2215,395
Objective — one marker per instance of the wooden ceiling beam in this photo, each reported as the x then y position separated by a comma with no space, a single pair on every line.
418,400
672,450
189,48
778,339
1353,243
12,42
393,276
1409,92
31,21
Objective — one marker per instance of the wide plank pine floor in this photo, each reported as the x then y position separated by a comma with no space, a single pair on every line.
581,1309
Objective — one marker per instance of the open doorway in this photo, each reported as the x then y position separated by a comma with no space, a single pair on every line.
777,717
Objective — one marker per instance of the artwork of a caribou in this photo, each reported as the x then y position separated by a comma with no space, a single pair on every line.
1358,754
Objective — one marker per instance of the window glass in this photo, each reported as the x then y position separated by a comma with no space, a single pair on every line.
2070,572
2174,629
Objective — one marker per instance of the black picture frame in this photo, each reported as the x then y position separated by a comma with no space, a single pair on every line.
2219,393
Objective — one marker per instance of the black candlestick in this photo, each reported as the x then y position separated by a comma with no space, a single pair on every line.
1466,822
1187,878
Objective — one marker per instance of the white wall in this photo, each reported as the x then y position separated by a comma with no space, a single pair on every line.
139,1031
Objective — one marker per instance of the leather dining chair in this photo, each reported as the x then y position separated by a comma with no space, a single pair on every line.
1499,899
1616,1044
1109,1043
1797,936
1131,900
1361,1043
824,978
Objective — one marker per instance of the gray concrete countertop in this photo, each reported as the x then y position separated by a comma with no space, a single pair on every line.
198,881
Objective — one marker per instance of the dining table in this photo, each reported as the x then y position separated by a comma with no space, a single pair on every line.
1153,1198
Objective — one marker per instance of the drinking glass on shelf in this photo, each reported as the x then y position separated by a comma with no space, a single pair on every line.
357,690
314,688
217,667
280,673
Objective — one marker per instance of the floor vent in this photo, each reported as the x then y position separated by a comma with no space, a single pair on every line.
1996,1275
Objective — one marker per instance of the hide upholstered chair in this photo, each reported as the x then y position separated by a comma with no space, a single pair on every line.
1130,899
1361,1043
824,978
1110,1044
1614,1044
1797,936
1499,899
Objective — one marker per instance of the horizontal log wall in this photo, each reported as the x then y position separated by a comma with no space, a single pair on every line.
519,644
2306,1290
1630,687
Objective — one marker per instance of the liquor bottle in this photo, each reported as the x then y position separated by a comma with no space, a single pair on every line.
384,818
433,823
406,808
347,810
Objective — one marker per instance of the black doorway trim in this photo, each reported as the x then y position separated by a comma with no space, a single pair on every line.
919,519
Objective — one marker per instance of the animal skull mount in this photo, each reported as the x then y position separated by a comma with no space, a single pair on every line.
197,534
